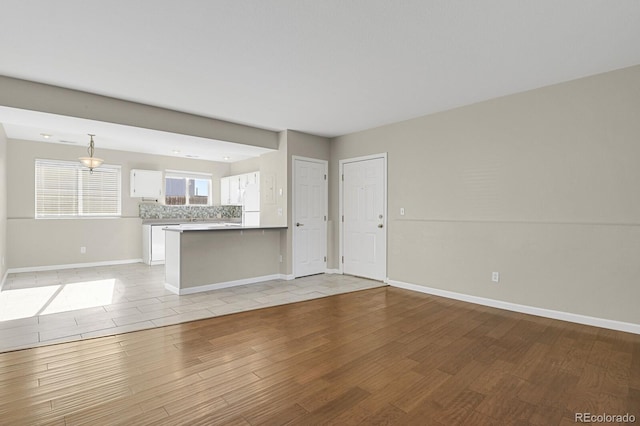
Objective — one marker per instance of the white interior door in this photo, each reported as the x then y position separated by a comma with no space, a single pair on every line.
309,217
364,245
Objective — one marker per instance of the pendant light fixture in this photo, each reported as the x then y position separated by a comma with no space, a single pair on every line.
91,162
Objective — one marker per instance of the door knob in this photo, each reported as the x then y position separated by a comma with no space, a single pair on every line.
299,224
380,226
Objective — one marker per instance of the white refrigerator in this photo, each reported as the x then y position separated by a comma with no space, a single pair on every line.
251,205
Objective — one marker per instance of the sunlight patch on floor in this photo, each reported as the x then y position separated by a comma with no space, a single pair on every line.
29,302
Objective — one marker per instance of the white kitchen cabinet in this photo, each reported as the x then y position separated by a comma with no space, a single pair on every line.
225,192
254,178
230,191
157,244
153,241
146,183
244,181
235,190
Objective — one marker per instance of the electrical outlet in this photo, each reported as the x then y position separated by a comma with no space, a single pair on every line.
83,250
280,258
280,212
401,211
495,277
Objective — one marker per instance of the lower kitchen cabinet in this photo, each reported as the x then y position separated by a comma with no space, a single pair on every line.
153,244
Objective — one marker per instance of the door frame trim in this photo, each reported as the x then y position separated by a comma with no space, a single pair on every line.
382,155
293,207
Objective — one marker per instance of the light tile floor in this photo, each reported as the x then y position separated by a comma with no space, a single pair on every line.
40,308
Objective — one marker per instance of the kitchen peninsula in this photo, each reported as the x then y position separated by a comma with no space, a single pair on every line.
208,256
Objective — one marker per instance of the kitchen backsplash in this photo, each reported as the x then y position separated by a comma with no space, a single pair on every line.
160,211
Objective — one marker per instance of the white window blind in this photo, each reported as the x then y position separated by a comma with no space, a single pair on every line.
67,189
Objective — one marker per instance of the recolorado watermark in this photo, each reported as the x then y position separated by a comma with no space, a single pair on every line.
604,418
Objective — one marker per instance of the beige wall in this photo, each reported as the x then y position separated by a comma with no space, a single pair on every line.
3,203
540,186
45,242
244,166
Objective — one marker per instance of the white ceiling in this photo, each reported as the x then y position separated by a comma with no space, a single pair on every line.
326,67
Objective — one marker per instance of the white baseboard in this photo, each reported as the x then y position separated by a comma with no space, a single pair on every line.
72,266
172,289
332,271
218,286
531,310
287,277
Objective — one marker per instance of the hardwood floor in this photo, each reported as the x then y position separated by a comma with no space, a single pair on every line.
380,356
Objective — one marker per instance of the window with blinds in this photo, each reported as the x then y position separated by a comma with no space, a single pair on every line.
67,189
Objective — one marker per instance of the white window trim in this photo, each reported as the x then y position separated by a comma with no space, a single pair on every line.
182,174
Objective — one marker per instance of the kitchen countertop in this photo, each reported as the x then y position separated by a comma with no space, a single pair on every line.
186,221
215,226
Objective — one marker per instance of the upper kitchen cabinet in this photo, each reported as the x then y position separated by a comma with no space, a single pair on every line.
225,191
253,178
146,183
232,187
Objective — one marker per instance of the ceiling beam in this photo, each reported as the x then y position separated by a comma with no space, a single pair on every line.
29,95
